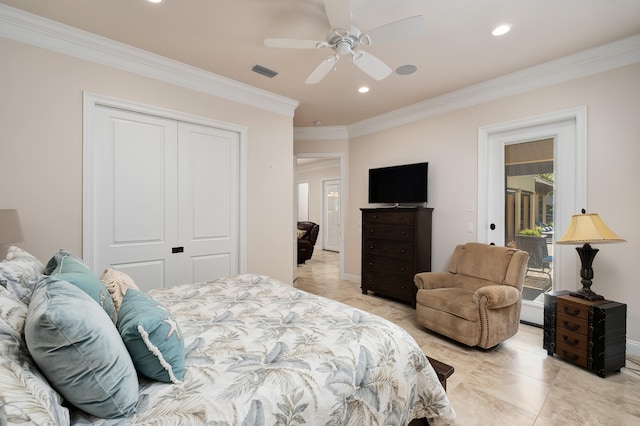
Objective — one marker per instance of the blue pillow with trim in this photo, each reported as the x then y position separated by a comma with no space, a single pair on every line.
152,337
67,267
79,350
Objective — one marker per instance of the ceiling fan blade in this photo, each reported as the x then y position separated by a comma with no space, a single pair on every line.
371,65
396,31
289,43
339,13
322,70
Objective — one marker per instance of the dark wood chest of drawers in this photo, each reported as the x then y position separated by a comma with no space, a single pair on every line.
591,334
396,244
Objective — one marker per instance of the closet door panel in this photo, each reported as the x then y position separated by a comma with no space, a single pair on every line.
208,200
136,186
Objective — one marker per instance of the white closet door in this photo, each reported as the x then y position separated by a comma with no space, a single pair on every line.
208,201
136,196
165,198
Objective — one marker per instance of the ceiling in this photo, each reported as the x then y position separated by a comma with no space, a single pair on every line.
456,51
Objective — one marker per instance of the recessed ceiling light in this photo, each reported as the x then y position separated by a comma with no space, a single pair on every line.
501,29
406,69
154,1
363,89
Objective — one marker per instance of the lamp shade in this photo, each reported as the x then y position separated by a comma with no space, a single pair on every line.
10,230
588,228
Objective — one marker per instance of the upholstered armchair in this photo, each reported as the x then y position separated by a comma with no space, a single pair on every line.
477,302
307,237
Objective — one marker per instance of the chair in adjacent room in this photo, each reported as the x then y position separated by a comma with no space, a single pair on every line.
477,302
307,237
539,259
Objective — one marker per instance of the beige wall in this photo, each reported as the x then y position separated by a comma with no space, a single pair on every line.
449,143
41,150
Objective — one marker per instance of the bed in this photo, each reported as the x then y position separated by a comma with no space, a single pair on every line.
256,352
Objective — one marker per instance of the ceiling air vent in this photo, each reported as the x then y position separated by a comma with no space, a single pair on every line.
264,71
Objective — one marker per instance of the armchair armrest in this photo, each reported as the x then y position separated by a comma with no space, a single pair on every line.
498,296
432,280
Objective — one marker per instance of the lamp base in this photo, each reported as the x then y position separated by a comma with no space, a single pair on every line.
587,294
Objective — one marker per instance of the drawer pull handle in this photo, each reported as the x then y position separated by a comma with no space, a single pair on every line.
403,269
572,357
571,311
403,251
569,341
570,326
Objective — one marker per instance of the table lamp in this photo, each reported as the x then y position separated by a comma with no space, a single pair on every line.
10,229
587,228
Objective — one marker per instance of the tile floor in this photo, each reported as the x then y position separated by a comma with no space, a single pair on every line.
516,383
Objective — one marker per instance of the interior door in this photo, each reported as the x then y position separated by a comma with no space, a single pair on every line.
165,199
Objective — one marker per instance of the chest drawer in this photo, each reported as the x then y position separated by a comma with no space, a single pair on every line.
389,266
388,232
573,324
574,310
397,249
395,217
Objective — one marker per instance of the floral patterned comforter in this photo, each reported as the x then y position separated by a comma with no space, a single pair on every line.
260,352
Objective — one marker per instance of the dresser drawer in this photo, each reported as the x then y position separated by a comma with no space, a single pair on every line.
395,217
389,266
573,324
396,249
388,232
571,309
571,339
401,288
572,354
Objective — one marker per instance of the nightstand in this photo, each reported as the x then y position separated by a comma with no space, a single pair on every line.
591,334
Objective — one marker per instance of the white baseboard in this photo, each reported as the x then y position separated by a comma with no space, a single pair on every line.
633,348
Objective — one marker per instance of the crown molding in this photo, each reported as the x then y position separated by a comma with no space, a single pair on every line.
588,62
27,28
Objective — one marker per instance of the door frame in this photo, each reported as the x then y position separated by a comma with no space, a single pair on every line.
343,197
90,102
570,157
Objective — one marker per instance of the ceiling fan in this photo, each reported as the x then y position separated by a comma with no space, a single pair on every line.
345,39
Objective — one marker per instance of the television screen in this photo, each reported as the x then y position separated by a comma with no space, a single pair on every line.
399,184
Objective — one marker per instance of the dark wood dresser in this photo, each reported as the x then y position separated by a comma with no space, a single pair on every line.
396,244
591,334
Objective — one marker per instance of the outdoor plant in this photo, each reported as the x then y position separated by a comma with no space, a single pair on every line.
535,232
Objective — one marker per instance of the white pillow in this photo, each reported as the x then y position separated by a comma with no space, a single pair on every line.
20,272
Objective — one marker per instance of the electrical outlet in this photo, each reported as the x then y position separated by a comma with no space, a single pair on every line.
470,227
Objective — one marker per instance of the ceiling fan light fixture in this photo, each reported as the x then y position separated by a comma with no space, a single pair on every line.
501,29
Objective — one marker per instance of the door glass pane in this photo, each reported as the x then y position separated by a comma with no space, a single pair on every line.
332,214
529,183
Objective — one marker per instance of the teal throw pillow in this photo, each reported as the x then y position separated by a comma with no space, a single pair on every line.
79,350
152,336
67,267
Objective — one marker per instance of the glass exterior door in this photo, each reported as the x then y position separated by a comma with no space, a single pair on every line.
529,210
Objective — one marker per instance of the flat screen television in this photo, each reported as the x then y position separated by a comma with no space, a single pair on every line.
399,184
